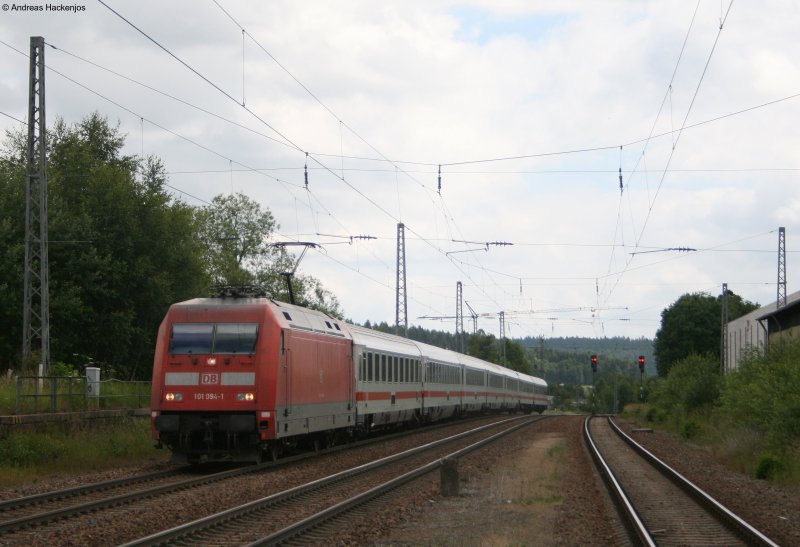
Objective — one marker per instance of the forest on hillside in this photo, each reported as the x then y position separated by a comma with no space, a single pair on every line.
558,360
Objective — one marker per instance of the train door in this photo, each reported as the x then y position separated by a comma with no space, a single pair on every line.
286,372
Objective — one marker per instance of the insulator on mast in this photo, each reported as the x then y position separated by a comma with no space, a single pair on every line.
305,170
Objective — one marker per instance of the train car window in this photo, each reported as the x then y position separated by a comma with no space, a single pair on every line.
189,338
389,368
383,368
235,338
362,367
395,376
369,367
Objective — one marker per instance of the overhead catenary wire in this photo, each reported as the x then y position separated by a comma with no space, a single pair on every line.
677,139
650,137
293,177
224,93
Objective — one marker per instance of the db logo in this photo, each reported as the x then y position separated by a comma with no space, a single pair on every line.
209,379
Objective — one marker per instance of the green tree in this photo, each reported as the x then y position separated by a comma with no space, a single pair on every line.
691,325
483,346
12,248
517,357
121,249
235,231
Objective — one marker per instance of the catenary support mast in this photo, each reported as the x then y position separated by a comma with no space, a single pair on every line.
401,314
781,302
459,317
36,305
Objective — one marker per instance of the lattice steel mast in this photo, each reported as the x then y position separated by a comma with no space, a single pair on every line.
781,302
36,305
503,336
401,315
459,317
723,351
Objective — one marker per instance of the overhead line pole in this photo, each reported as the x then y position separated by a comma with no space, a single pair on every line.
401,313
36,300
781,300
459,318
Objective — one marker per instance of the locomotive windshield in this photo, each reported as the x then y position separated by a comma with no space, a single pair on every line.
235,338
206,338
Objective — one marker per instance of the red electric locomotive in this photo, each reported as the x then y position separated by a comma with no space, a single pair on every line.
233,375
237,378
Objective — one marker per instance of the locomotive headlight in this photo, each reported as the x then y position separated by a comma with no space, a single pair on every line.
211,361
245,396
173,396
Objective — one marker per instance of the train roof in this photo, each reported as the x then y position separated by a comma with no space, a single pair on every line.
396,344
287,315
383,341
307,319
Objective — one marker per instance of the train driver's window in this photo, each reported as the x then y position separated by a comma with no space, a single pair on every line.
187,338
236,338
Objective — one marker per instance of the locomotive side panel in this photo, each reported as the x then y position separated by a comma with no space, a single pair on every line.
315,383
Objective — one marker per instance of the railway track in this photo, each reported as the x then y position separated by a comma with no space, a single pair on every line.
21,517
658,505
311,512
39,509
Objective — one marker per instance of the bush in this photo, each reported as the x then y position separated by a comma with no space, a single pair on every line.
770,467
62,369
655,415
764,395
30,449
692,384
690,429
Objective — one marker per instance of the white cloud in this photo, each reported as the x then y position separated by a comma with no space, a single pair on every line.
441,82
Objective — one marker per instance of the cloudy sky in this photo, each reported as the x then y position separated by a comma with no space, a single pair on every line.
529,108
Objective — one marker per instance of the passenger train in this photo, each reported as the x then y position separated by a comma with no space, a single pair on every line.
242,378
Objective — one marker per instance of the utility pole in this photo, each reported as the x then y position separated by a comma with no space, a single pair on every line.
503,336
781,267
401,315
724,343
36,305
459,318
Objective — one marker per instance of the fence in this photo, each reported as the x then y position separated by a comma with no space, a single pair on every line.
36,394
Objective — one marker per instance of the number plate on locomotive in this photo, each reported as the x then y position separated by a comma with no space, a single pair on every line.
209,396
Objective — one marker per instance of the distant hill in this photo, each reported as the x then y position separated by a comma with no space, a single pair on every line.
618,347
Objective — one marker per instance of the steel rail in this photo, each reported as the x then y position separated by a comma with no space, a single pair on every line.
166,536
742,528
334,511
122,499
631,518
12,525
55,495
